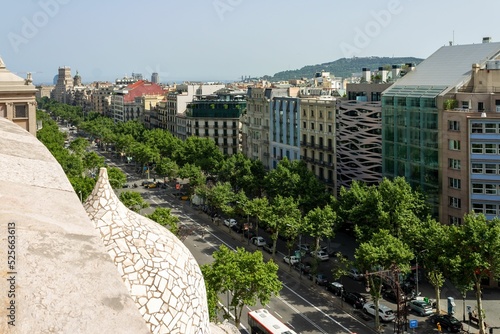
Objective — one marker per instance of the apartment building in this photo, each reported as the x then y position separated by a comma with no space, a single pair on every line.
256,123
217,117
359,132
285,129
17,99
125,107
318,142
441,130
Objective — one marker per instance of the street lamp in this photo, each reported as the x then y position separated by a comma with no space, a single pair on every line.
416,264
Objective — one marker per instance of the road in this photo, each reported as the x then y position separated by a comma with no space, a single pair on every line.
304,306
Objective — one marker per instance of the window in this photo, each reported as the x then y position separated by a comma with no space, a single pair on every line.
206,124
321,127
454,144
478,207
490,189
490,128
477,128
490,148
304,113
454,164
480,106
216,124
465,104
3,110
477,148
477,188
304,125
454,125
329,115
454,183
490,209
320,114
454,220
312,113
477,168
312,125
329,128
490,168
455,202
20,111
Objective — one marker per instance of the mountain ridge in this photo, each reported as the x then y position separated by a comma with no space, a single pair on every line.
343,67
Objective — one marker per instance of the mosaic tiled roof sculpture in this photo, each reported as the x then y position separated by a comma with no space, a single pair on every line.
161,274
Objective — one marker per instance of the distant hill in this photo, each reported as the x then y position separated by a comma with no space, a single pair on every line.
343,67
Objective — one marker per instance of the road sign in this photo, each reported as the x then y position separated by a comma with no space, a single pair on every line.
413,323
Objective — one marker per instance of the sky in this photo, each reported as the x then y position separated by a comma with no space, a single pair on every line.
222,40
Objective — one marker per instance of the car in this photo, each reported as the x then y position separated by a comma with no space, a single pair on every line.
268,248
302,253
152,185
420,307
291,259
319,279
258,241
448,322
390,295
230,222
303,267
320,255
384,312
354,298
355,274
305,248
336,288
238,228
249,234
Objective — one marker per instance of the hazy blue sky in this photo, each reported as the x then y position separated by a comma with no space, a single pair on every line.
225,39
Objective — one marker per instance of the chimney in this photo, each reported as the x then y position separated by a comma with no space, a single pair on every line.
396,70
410,66
383,74
366,75
486,39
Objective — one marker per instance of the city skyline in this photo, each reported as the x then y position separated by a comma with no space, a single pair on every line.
222,40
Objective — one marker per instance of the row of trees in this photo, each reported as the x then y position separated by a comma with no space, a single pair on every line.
392,221
393,225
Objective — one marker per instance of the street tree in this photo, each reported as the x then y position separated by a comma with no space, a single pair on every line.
319,223
283,211
166,168
193,173
133,200
244,276
382,255
476,254
220,197
259,208
164,217
117,178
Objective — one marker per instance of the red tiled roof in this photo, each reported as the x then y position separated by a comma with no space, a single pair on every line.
140,88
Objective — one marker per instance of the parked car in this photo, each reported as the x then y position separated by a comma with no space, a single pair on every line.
390,295
384,312
420,307
305,248
336,288
448,322
238,228
303,267
249,234
258,241
268,248
354,298
230,222
291,259
319,279
355,274
321,255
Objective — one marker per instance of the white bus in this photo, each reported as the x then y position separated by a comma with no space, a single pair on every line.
263,322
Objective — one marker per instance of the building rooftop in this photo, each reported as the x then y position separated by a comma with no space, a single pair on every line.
449,66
